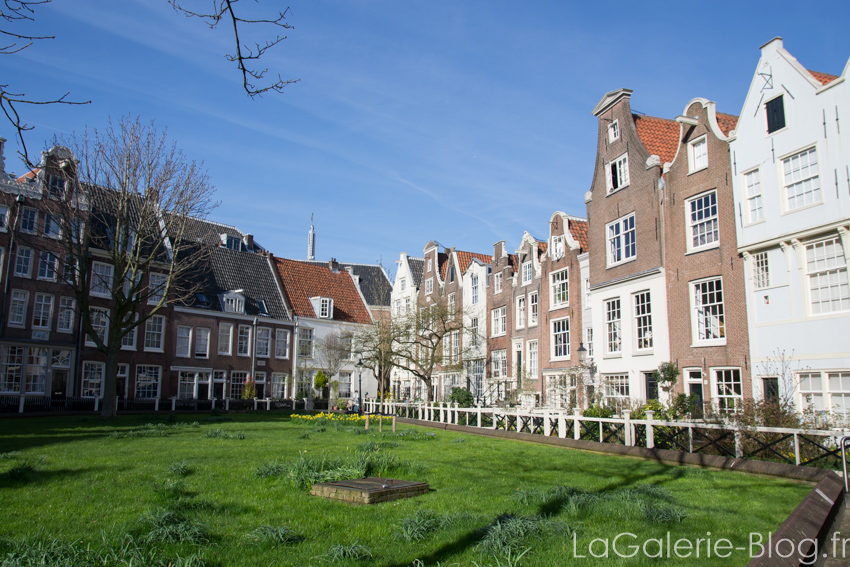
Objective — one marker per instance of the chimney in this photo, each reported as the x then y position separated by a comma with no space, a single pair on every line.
248,239
333,265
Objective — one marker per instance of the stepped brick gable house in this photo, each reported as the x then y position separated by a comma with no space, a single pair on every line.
706,301
325,300
791,178
628,293
503,380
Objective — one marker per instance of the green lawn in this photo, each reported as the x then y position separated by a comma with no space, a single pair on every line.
85,480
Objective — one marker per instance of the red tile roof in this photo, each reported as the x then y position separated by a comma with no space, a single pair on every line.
659,135
727,122
578,230
513,261
823,78
303,280
464,259
542,246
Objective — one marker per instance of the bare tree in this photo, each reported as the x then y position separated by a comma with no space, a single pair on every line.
333,351
780,365
123,205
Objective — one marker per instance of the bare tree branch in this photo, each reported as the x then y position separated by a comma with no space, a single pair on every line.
224,10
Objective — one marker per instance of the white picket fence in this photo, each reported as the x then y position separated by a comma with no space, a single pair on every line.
818,447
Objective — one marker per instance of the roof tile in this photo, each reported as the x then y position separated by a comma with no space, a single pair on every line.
727,122
578,230
660,136
822,78
302,280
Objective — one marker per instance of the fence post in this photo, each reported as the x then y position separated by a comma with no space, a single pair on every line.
255,404
627,427
493,424
380,423
797,450
576,424
479,416
442,412
227,404
562,426
173,404
650,434
739,451
547,427
213,403
268,404
116,404
96,404
21,400
393,424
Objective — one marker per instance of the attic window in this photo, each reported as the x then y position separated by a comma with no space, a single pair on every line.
202,300
451,274
613,131
618,173
775,114
56,186
231,242
261,303
233,303
325,308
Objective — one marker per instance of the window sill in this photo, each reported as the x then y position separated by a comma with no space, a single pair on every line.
713,246
649,352
632,259
703,168
68,331
720,342
610,192
124,348
224,354
803,208
154,350
612,355
754,223
281,358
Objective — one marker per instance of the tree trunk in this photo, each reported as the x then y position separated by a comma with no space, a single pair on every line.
107,407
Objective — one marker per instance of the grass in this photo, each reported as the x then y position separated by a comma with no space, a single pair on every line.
140,491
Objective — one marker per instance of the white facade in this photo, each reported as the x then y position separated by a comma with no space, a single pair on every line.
619,360
475,282
403,302
791,180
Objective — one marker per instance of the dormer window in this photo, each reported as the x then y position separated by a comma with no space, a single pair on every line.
261,304
233,302
323,307
613,132
618,173
231,242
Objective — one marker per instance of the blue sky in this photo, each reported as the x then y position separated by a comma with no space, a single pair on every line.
465,122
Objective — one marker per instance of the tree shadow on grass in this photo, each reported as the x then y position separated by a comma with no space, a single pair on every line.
25,474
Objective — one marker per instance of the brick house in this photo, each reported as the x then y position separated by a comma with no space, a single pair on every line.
705,273
502,383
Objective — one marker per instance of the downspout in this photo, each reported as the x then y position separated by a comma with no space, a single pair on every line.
294,361
19,201
254,357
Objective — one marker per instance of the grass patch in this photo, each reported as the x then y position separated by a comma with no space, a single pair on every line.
167,526
352,552
223,434
274,535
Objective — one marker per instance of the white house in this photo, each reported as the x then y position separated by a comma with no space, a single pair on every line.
405,293
791,179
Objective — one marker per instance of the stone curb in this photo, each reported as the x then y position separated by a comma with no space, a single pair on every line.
811,521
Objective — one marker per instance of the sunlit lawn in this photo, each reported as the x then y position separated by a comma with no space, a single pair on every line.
89,484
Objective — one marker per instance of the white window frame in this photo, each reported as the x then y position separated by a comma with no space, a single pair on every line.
588,341
228,329
621,164
613,131
533,308
708,318
474,286
128,341
703,223
326,308
66,315
532,359
264,342
827,274
40,319
155,337
520,312
500,321
558,247
18,308
499,363
497,283
613,327
429,286
527,273
23,270
698,154
725,396
281,337
761,270
243,340
430,265
559,294
306,342
91,382
183,344
560,341
642,302
144,379
753,196
101,279
96,325
202,339
156,287
34,221
47,265
52,226
617,235
812,179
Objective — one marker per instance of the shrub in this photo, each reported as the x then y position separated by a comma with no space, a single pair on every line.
598,410
462,396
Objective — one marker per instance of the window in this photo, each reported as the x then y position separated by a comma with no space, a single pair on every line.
455,352
500,363
761,271
526,273
407,305
42,311
47,266
500,321
281,343
36,371
775,111
52,226
344,385
474,289
560,288
402,284
184,339
730,392
276,386
237,384
709,320
100,323
452,274
473,331
232,242
531,365
497,283
621,240
697,155
561,338
92,383
800,178
234,303
755,209
451,305
225,338
18,308
56,186
618,173
305,342
617,390
23,262
65,320
703,229
29,220
839,392
612,322
128,341
429,264
613,131
264,342
61,358
346,342
532,308
557,247
12,370
588,343
811,390
826,267
429,286
4,218
325,308
147,381
186,386
243,341
202,342
156,288
154,329
101,279
520,312
643,320
69,270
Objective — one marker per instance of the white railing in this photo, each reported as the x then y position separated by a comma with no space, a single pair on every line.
783,444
